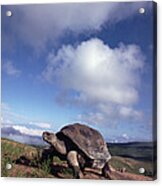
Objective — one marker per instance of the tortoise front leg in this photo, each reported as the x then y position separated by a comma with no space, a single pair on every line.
47,154
73,162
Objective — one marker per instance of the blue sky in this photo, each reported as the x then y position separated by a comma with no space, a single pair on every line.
88,63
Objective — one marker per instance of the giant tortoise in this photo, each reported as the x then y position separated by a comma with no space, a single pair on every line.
82,146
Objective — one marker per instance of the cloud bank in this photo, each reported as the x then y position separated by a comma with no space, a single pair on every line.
95,76
36,25
28,131
12,122
16,135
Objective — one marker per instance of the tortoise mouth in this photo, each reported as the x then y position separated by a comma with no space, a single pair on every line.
45,136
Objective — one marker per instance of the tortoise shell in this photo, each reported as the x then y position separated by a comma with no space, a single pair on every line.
89,140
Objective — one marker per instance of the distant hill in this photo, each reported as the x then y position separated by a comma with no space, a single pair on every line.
144,151
16,135
138,150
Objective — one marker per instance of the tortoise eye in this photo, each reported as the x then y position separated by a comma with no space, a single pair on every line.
47,133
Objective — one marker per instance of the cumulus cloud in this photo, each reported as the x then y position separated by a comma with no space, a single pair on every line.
35,25
10,69
96,76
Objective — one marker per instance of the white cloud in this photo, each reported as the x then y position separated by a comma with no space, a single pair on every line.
103,78
92,118
5,122
10,69
10,118
48,22
41,124
28,131
97,72
130,112
9,115
125,136
5,106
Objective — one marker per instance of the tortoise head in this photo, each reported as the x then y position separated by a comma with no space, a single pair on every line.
49,137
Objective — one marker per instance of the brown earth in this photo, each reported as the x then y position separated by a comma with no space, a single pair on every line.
25,163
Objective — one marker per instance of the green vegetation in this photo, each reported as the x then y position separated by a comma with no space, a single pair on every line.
26,161
131,165
133,156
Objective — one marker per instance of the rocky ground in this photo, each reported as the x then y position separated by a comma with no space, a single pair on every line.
25,163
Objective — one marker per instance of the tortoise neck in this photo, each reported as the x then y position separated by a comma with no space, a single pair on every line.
59,146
